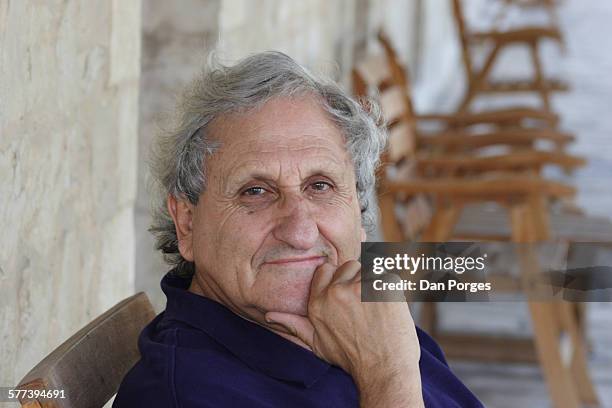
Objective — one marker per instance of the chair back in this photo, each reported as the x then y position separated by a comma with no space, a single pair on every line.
399,73
464,38
373,79
381,77
91,364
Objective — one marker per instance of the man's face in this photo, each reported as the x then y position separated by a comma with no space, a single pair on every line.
280,201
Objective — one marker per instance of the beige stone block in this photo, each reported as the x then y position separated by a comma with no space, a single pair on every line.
68,165
189,17
235,13
125,41
117,259
127,143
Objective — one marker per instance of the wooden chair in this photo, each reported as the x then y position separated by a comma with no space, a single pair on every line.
402,183
457,151
478,78
428,155
519,127
90,365
515,125
522,117
482,222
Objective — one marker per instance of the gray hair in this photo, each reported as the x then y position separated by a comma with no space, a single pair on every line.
179,155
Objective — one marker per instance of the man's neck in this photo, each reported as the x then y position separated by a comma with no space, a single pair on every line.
258,316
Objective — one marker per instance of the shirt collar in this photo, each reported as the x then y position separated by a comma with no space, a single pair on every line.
258,347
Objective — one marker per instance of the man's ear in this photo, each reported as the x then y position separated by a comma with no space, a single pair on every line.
181,212
364,236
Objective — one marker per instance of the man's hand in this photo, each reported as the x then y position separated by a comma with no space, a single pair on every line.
376,343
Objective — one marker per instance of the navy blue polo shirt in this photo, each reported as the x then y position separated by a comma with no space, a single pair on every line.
197,353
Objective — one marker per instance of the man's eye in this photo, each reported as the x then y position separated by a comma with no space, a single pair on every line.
321,186
254,191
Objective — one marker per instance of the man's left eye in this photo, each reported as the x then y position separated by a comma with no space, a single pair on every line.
321,186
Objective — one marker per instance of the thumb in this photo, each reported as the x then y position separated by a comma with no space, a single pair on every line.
296,325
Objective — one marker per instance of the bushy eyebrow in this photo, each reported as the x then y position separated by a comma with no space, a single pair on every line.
333,171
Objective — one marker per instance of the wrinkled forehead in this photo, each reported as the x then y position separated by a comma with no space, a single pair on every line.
285,135
281,124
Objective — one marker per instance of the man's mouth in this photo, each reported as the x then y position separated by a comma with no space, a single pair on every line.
301,261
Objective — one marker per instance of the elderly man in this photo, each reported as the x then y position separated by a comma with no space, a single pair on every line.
265,182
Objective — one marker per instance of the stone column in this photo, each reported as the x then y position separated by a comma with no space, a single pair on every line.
69,74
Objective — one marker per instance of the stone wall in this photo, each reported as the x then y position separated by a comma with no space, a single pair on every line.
316,33
68,148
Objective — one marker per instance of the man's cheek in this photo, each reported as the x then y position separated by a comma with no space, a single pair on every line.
345,233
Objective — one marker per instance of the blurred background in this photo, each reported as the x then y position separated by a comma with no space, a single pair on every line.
84,87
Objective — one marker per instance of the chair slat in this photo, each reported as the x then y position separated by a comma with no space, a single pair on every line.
374,70
393,105
401,142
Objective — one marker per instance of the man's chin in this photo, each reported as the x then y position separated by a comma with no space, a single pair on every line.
293,306
288,295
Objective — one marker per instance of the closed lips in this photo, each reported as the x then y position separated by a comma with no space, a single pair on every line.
297,260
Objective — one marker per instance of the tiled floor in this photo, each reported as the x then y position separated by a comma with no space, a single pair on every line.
586,111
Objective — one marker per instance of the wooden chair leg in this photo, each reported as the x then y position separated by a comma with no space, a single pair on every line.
546,321
546,333
390,227
579,365
439,230
538,215
580,312
442,223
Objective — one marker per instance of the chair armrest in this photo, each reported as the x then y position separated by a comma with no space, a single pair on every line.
512,137
527,34
480,188
535,3
494,117
524,160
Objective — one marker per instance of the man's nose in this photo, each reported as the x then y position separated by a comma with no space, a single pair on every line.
296,225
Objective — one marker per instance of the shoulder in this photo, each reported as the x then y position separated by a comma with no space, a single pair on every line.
182,367
441,388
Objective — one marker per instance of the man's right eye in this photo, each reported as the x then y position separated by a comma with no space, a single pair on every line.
254,191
